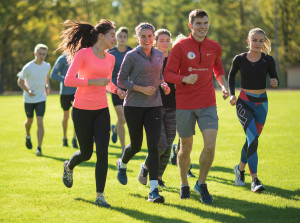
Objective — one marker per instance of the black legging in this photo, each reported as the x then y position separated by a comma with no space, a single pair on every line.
150,118
92,125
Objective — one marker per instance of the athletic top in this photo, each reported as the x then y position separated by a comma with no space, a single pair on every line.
88,66
187,57
138,69
253,74
61,66
35,76
168,100
119,56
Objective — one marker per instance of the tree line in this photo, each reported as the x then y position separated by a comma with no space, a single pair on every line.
24,23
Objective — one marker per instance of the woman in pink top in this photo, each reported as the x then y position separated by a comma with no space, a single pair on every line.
90,71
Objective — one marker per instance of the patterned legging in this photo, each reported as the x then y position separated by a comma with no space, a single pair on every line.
252,111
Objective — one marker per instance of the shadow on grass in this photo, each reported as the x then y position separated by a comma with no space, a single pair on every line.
85,164
138,215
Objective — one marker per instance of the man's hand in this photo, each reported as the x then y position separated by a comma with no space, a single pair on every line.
165,88
191,79
273,82
224,93
232,100
30,92
47,89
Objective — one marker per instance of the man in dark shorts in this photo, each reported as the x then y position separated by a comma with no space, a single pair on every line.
61,67
34,81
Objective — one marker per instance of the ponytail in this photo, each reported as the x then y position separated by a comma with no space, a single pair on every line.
80,35
267,46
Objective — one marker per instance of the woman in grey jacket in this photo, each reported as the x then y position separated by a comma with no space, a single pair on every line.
141,75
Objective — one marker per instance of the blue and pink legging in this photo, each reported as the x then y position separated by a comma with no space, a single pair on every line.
252,111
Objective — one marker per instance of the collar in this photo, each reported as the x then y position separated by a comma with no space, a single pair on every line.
197,42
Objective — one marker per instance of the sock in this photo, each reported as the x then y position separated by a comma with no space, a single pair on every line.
28,137
184,186
123,165
153,185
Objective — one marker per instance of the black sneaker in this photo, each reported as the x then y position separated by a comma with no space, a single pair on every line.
28,143
74,143
185,192
155,197
174,155
161,183
190,174
67,176
203,192
122,177
256,186
65,142
38,151
101,202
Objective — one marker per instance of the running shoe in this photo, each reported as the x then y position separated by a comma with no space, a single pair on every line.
67,176
38,151
101,202
122,177
203,192
74,143
190,174
161,183
114,136
256,186
185,192
239,176
65,142
143,175
28,143
174,155
155,197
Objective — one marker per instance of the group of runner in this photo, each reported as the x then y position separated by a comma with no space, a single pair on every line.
163,93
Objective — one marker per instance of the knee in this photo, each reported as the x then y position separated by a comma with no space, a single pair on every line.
121,119
29,121
40,122
210,147
86,156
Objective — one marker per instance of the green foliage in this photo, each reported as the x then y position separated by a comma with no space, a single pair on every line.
23,24
31,189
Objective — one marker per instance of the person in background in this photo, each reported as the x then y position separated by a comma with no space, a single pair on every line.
252,104
58,73
119,52
34,81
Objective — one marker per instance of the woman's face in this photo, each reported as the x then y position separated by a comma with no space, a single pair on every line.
256,42
146,39
122,39
163,43
109,39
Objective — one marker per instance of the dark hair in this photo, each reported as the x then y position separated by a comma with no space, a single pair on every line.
122,29
197,13
81,35
144,25
161,31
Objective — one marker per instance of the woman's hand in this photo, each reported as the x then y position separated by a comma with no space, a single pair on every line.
122,94
232,100
99,82
165,88
273,82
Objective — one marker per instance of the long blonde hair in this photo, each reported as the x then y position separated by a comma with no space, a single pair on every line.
267,44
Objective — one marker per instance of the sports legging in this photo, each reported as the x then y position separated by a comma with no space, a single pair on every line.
167,136
252,111
137,118
90,126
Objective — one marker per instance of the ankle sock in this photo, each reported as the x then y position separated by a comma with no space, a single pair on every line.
153,185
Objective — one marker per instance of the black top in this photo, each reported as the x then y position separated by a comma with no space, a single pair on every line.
253,74
168,100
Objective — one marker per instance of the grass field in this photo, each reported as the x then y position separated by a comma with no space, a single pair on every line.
31,189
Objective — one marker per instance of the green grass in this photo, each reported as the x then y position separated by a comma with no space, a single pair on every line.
31,189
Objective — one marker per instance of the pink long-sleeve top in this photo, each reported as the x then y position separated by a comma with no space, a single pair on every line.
88,66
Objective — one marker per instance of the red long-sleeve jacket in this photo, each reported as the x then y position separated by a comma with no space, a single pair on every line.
192,57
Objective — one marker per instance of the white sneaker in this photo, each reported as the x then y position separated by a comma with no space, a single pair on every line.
239,176
143,175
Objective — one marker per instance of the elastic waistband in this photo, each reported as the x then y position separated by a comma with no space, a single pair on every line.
253,97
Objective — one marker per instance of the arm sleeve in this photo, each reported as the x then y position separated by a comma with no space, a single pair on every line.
272,69
232,73
111,87
56,69
71,80
23,73
124,72
171,72
217,67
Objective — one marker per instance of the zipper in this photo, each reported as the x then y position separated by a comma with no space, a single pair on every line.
200,52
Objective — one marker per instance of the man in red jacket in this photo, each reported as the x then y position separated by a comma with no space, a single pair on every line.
190,66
